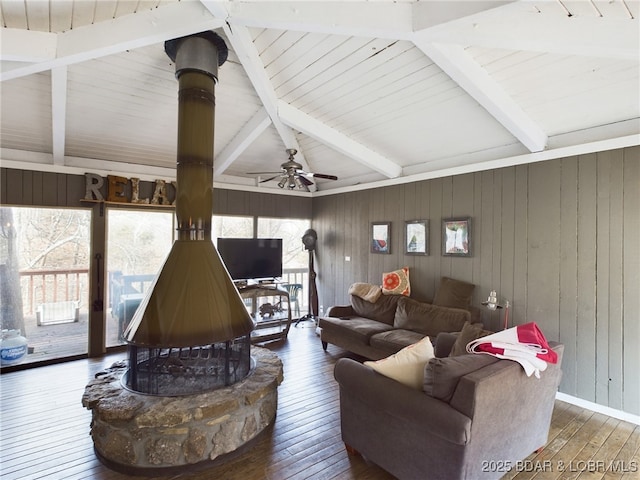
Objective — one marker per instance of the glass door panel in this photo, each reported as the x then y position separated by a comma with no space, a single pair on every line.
295,259
138,242
44,282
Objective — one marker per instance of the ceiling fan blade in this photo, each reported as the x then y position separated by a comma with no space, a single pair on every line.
263,173
322,175
305,180
269,179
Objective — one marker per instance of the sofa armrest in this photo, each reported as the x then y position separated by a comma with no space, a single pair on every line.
412,406
340,311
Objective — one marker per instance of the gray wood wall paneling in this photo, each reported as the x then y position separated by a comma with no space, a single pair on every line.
45,189
631,275
559,239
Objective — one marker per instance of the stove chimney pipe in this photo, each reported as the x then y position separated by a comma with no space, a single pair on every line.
193,300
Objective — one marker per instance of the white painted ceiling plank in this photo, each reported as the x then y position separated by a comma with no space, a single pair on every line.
38,16
337,140
330,68
14,15
475,80
60,16
123,33
346,76
58,113
245,137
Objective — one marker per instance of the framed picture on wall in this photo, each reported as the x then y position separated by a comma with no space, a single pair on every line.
456,237
416,237
380,237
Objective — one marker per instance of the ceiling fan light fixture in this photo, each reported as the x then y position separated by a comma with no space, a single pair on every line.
300,184
282,182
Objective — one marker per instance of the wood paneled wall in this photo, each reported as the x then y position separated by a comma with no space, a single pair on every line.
559,239
44,189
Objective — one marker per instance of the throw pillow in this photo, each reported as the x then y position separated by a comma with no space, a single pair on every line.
383,310
407,365
454,293
441,375
468,333
428,319
396,282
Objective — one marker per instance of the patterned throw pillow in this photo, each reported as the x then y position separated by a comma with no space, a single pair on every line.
396,282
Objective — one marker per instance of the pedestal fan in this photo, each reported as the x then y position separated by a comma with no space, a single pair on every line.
309,240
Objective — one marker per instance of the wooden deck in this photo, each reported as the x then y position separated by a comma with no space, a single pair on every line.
44,430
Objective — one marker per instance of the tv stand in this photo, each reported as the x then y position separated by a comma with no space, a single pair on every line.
270,310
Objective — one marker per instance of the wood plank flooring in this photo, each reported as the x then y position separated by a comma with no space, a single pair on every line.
44,430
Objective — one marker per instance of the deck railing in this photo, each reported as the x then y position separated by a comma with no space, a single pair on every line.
50,286
45,286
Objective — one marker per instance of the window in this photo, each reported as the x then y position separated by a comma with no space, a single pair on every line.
44,279
231,227
138,242
295,259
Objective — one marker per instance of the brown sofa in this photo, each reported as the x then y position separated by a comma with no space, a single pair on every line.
382,328
476,417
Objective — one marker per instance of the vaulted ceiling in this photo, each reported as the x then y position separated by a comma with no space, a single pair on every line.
373,92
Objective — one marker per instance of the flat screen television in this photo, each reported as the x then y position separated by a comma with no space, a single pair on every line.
251,258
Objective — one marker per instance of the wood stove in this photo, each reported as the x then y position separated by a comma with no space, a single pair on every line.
193,390
191,333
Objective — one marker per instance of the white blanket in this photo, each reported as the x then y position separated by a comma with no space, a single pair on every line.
524,344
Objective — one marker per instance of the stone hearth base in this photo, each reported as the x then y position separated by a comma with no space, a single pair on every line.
139,433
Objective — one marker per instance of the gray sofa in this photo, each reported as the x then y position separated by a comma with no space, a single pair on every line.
476,417
377,330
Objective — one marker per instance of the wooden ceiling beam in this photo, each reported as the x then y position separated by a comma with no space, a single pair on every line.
58,113
533,30
107,38
475,80
243,139
329,136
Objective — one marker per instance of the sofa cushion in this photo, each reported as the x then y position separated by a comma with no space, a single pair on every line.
382,310
428,319
469,332
406,366
454,293
441,375
353,329
396,282
394,340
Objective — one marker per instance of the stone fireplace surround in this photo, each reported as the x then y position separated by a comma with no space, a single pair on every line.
143,434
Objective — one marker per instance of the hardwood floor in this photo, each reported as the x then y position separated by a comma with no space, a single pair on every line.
44,430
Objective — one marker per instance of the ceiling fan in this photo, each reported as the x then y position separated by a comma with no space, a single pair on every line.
292,176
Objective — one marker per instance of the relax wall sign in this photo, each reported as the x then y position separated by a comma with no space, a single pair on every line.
128,190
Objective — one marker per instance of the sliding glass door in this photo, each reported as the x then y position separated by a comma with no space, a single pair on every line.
44,282
138,242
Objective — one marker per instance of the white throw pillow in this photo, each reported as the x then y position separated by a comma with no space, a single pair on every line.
406,366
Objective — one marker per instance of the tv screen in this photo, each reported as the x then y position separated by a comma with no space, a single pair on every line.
251,258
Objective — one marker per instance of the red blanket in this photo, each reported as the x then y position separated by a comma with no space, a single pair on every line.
525,344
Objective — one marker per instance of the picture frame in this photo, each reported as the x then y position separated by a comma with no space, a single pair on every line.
416,237
380,237
456,237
